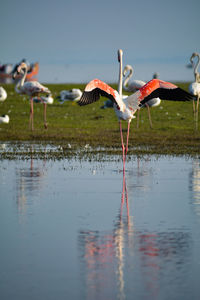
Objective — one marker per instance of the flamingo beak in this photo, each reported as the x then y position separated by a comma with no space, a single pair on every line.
118,57
120,52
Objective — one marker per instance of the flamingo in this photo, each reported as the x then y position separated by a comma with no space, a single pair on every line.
4,119
30,88
125,109
194,88
3,94
135,85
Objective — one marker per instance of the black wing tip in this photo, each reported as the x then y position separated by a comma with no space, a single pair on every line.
186,95
80,102
89,97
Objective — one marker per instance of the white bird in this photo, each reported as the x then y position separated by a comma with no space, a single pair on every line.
125,109
134,86
30,88
194,88
3,94
4,119
73,95
109,103
48,99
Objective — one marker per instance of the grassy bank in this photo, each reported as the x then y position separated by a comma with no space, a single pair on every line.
173,125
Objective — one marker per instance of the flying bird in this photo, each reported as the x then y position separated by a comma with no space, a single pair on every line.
125,109
32,89
3,94
194,87
134,86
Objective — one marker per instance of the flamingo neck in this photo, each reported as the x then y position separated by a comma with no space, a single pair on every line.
20,83
126,80
196,73
120,75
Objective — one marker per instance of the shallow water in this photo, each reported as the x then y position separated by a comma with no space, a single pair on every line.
76,229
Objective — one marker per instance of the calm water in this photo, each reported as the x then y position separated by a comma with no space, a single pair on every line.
80,230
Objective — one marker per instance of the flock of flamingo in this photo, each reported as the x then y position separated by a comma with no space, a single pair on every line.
143,94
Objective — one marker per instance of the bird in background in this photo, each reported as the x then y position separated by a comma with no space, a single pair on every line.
134,86
125,109
72,95
3,94
109,103
48,99
194,87
32,89
4,119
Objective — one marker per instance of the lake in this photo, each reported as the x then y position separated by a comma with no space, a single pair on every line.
80,229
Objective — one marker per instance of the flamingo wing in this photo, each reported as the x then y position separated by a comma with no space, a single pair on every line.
159,88
96,88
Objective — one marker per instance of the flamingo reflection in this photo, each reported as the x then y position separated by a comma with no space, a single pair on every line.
29,181
110,259
194,185
105,251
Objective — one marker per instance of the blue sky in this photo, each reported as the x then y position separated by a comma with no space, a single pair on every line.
75,41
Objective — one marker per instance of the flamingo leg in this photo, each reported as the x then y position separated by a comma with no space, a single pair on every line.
127,137
45,115
31,114
197,109
194,109
197,112
122,142
138,117
149,114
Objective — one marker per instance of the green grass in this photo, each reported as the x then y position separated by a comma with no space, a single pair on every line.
173,124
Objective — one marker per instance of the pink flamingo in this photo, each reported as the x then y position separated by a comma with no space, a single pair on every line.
30,88
126,108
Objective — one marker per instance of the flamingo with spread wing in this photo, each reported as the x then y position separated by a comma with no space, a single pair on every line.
126,108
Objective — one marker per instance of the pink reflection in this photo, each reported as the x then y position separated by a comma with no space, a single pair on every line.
103,256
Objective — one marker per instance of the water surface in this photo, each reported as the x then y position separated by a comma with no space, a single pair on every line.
78,229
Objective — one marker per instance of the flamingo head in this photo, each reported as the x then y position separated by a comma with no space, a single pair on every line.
193,56
127,68
19,69
120,53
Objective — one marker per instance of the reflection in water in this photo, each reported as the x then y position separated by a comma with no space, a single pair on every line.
194,185
161,254
103,255
139,240
29,182
109,258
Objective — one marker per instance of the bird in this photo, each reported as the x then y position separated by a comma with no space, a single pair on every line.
30,88
109,103
135,85
73,95
3,94
125,109
4,119
194,87
48,99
